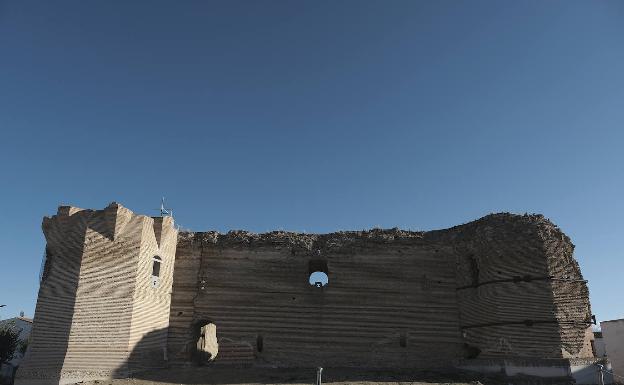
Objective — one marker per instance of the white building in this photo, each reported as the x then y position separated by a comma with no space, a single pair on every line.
599,345
21,323
613,335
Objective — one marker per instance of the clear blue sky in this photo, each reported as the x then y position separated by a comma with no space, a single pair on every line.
315,116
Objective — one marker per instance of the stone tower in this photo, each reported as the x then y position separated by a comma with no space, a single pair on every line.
105,294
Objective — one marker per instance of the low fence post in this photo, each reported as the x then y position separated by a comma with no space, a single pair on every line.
319,371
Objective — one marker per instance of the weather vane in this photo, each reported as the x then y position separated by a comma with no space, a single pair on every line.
163,210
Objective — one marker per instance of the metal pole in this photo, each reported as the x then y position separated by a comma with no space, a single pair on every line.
319,371
600,374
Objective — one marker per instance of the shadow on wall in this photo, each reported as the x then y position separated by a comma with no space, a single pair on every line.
148,354
53,317
148,361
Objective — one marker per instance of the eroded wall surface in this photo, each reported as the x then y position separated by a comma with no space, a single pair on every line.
389,295
502,286
520,290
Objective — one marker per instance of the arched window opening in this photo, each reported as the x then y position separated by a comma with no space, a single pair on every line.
318,273
318,279
156,262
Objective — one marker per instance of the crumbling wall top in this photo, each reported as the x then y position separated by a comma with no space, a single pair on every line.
530,224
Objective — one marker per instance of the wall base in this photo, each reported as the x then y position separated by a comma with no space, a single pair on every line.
583,371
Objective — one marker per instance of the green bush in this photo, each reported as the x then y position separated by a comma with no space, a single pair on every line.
9,341
23,346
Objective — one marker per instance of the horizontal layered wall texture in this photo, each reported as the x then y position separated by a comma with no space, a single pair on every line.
502,286
99,313
122,293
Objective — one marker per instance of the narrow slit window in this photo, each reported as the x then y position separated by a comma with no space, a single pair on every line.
260,343
156,267
403,340
156,261
474,270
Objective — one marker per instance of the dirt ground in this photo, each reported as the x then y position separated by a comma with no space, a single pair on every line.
265,376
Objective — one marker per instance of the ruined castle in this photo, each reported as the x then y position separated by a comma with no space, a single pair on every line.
121,293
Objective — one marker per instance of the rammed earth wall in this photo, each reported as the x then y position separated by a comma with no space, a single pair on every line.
502,287
97,315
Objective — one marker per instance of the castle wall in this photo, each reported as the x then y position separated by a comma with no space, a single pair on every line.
503,286
92,306
498,288
65,236
151,305
508,267
381,292
183,333
505,295
521,293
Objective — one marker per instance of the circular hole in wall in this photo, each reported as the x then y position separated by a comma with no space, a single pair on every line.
318,279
